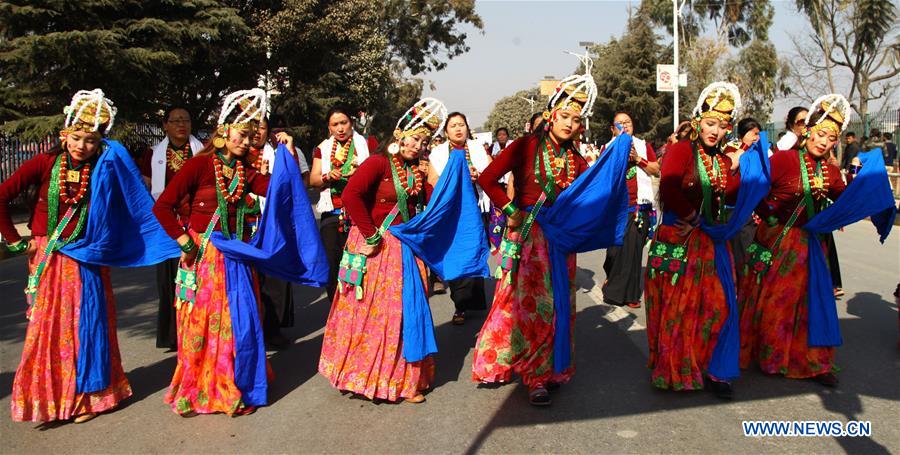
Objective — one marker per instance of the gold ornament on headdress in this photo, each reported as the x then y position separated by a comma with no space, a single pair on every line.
576,92
425,117
251,107
89,111
829,114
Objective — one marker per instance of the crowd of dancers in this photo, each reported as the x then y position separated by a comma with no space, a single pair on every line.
737,271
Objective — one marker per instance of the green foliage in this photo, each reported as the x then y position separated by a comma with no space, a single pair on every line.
144,54
514,111
625,73
760,76
738,21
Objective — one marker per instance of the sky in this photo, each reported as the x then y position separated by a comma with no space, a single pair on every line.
523,41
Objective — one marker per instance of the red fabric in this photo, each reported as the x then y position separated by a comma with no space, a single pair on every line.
35,171
370,195
679,184
518,158
632,183
787,189
195,186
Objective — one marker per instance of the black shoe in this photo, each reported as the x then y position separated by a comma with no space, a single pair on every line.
723,390
459,318
553,386
827,379
539,396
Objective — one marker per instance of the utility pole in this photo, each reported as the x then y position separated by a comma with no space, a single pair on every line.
676,11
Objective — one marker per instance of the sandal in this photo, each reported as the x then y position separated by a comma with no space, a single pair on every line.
459,318
838,292
826,379
85,417
419,398
633,304
539,396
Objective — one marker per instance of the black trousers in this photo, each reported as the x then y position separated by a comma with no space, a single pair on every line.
739,245
833,264
278,304
334,242
623,264
166,328
467,294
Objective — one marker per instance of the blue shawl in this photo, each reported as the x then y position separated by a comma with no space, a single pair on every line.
755,181
449,237
121,231
287,246
868,195
591,214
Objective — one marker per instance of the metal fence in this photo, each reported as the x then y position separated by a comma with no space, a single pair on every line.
884,122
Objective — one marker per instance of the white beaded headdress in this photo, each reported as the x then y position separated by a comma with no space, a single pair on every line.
427,116
832,108
719,99
253,105
88,111
579,90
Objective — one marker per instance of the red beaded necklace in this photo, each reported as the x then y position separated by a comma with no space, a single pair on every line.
66,176
403,176
176,158
561,163
231,198
718,179
338,159
818,184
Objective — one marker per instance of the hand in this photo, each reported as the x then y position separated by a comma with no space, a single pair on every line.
287,140
633,157
369,250
188,258
264,169
32,248
515,220
686,225
350,174
335,174
474,173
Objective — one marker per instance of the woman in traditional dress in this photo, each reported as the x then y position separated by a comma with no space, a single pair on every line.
623,263
158,165
335,160
71,367
518,335
685,300
467,293
365,350
777,294
216,183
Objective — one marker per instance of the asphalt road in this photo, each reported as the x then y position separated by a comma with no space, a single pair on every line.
609,407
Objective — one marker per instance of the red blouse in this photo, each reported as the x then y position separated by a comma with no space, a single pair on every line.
195,186
35,171
518,158
679,185
370,195
786,192
632,183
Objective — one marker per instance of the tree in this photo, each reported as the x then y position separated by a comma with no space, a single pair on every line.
143,54
736,21
625,73
513,112
358,53
858,39
760,77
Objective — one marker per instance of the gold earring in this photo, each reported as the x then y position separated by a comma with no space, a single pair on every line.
219,142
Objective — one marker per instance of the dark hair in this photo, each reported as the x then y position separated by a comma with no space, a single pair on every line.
338,109
792,116
684,130
745,125
850,134
172,108
612,120
888,136
875,132
498,130
465,120
532,125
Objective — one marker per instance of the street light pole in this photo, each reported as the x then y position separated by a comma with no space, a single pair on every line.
675,13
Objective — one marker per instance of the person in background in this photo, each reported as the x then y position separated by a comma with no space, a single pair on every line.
795,125
681,133
890,151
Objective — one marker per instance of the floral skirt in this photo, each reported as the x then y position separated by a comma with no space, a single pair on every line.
684,319
774,311
362,351
44,385
204,375
517,336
